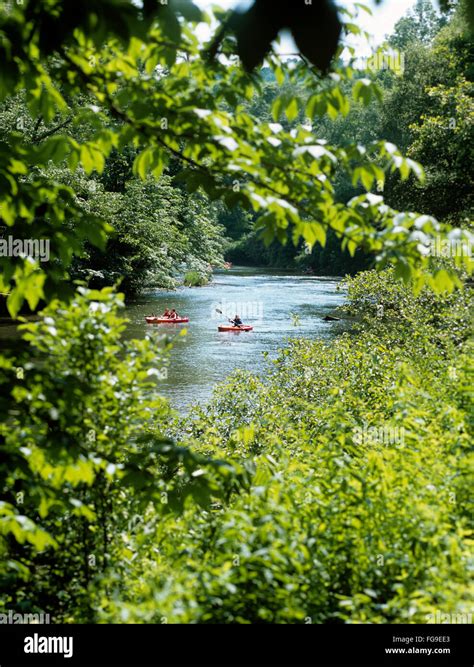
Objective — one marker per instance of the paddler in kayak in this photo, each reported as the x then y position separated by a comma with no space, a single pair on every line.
237,322
173,315
166,313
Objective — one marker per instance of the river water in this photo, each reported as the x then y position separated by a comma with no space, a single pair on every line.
279,304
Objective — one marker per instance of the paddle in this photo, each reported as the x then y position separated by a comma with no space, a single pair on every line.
239,326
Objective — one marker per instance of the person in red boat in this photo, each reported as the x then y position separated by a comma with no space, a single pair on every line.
173,315
166,313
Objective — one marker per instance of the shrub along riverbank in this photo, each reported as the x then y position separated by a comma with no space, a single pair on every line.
359,508
336,489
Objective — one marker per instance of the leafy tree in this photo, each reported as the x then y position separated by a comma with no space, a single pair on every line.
153,233
84,454
170,107
434,105
421,24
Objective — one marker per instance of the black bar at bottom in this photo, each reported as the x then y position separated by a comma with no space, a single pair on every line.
163,645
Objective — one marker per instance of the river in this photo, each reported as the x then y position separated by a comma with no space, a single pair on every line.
279,305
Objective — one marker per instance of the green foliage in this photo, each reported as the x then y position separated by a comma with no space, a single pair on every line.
134,94
359,510
327,260
381,298
428,112
421,24
153,228
84,454
419,98
195,279
282,502
158,229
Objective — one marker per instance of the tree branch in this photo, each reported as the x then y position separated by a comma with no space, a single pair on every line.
48,133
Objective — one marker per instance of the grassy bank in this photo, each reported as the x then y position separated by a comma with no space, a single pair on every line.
195,279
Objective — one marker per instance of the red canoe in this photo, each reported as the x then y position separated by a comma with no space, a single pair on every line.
228,327
166,320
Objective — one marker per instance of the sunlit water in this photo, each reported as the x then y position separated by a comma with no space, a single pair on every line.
279,304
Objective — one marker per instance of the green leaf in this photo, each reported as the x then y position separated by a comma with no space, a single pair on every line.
292,109
280,76
92,158
443,282
403,270
277,108
142,163
363,90
15,301
317,106
55,149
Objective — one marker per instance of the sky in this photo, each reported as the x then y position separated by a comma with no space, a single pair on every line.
379,24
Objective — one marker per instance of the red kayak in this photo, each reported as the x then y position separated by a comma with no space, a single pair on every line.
228,327
166,320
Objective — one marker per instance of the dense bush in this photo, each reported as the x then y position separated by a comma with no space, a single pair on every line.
359,508
84,459
195,279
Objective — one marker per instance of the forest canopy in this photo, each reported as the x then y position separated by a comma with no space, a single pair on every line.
115,88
